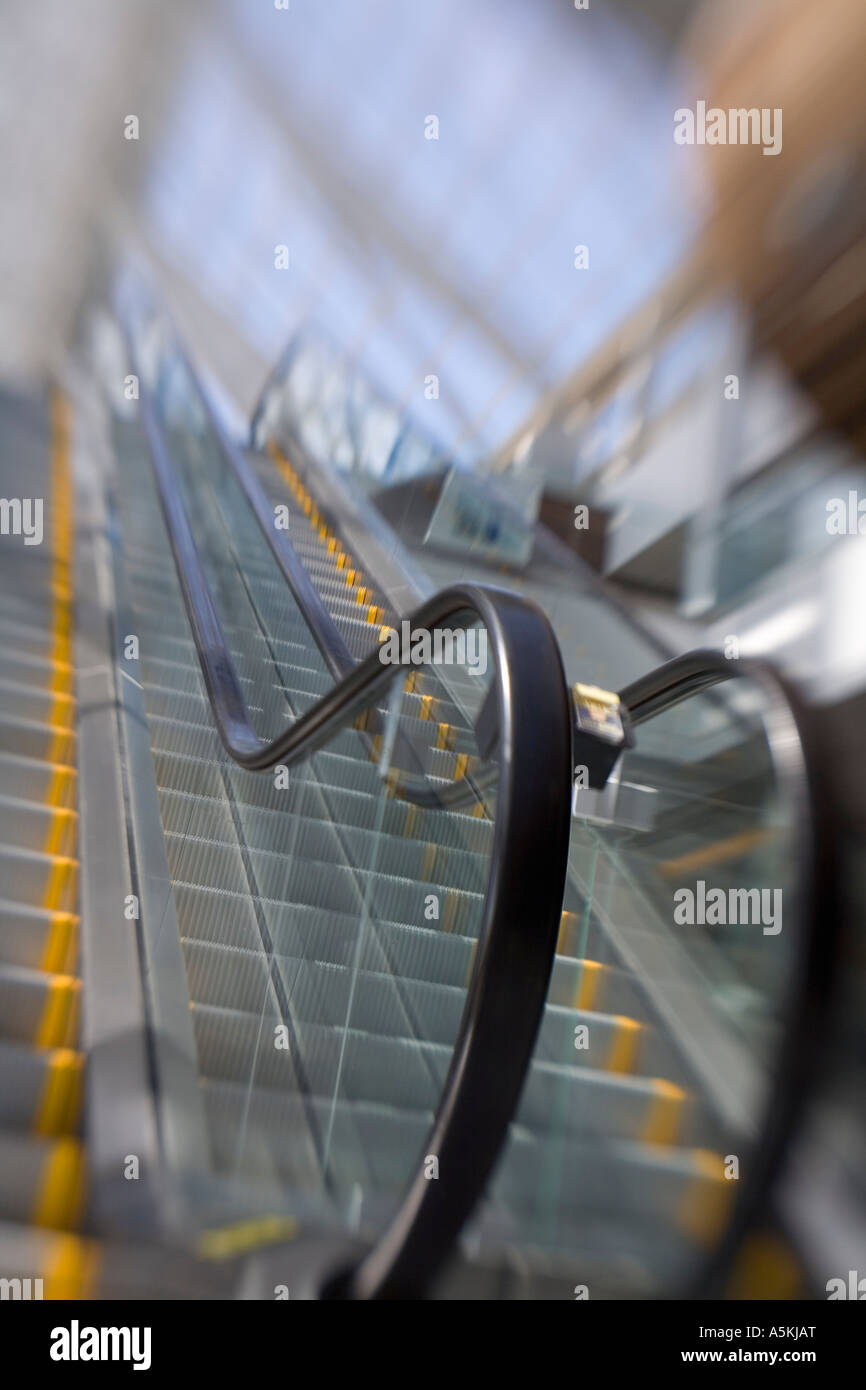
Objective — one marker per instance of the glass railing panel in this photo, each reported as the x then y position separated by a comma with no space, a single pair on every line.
659,1046
329,911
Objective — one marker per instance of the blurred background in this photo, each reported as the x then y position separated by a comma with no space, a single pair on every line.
433,178
467,235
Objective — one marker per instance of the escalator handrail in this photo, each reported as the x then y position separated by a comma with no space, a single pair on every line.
509,980
801,763
321,625
323,629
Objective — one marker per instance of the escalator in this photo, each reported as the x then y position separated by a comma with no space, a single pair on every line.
42,1156
382,991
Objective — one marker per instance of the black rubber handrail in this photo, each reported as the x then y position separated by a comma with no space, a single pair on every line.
801,763
323,629
523,900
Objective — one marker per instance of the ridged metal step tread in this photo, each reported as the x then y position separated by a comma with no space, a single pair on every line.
407,1072
232,977
285,832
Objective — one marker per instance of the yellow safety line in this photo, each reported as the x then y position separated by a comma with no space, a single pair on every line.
60,1189
62,714
61,787
702,1208
59,1103
767,1268
61,836
61,748
62,678
59,1021
446,736
461,766
717,853
588,981
449,915
623,1050
353,576
61,571
471,963
428,862
61,883
664,1113
567,925
61,941
72,1268
233,1240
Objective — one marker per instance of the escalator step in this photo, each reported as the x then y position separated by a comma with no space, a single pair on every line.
34,877
42,1090
38,1008
41,1180
38,938
41,783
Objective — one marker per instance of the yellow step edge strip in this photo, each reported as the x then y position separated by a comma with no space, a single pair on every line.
428,863
61,945
354,575
664,1113
61,886
61,749
565,944
588,982
61,533
766,1268
62,786
62,832
59,1105
449,915
623,1049
702,1210
62,680
59,1199
461,766
62,713
717,853
72,1268
470,965
59,1022
228,1241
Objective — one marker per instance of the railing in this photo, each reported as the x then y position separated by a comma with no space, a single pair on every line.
523,899
802,770
517,941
